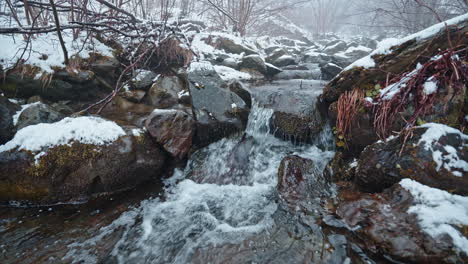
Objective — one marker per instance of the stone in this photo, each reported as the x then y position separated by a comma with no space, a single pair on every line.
299,181
383,226
7,111
164,93
253,62
295,116
77,171
232,46
143,80
330,70
383,164
218,111
38,113
172,129
285,60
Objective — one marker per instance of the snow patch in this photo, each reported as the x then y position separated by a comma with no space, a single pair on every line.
448,159
430,86
86,130
438,211
23,107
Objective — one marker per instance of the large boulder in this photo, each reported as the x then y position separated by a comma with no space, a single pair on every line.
7,111
74,159
63,85
295,116
299,181
370,75
218,112
335,47
330,70
233,46
38,113
164,93
433,154
172,129
284,60
253,63
409,223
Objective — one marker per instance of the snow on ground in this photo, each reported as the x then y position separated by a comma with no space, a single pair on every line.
438,211
86,130
23,107
449,158
384,47
230,74
390,91
430,86
45,51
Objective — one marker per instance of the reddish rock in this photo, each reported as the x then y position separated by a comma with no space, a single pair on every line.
173,129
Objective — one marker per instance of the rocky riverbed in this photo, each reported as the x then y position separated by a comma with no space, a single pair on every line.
260,151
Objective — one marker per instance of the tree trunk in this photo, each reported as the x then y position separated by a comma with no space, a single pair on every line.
59,32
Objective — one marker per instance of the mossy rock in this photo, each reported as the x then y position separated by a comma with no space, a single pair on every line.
77,171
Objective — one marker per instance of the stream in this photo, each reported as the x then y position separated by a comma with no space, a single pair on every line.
224,207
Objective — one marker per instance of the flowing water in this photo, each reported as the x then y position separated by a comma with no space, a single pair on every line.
222,208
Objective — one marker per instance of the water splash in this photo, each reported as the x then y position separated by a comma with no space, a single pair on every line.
226,194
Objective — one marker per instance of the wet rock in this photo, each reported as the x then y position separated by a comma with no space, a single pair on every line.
299,181
34,99
383,164
76,171
339,169
239,89
63,108
7,110
165,92
295,116
143,80
315,57
64,86
125,112
218,111
172,129
253,62
384,227
330,70
134,96
38,113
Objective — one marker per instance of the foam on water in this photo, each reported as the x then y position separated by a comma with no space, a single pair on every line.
217,199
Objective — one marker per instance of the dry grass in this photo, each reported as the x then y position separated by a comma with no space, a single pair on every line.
348,106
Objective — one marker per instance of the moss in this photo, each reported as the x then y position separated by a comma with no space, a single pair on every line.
64,157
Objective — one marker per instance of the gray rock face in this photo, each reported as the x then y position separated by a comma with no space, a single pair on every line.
143,80
7,110
253,62
38,113
295,115
172,129
77,171
218,111
330,70
165,92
